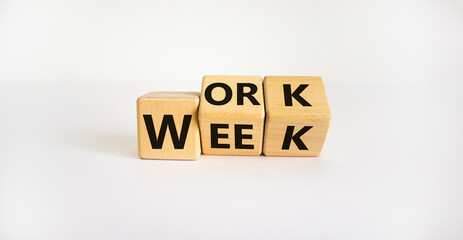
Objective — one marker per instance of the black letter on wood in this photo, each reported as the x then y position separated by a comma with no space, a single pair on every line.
296,138
225,100
215,136
167,121
296,95
239,136
241,94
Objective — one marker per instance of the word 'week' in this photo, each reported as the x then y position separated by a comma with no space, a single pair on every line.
235,115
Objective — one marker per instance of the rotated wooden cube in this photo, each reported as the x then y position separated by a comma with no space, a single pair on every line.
297,116
231,115
168,125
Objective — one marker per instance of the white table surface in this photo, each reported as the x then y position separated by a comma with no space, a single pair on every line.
391,169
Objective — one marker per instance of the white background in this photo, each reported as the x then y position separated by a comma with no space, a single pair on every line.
70,73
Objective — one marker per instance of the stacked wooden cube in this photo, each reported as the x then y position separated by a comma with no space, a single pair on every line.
235,115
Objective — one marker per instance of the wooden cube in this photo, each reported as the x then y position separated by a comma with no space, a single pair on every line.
168,125
231,115
297,116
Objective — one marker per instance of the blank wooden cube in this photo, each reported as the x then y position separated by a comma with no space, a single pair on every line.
168,125
297,116
231,115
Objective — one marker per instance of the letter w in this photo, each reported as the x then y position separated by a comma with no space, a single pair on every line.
167,121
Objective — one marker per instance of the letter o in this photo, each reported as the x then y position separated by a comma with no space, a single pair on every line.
225,100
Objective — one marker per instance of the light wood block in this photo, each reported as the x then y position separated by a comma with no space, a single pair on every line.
231,115
168,125
297,116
